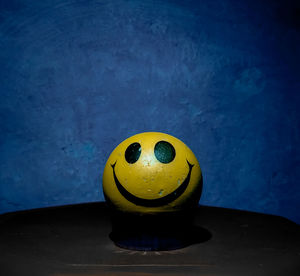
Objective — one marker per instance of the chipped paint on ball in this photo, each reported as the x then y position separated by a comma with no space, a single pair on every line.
131,186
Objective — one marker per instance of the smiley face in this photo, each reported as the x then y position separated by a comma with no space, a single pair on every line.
152,172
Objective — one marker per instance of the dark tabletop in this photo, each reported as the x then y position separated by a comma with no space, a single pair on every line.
74,240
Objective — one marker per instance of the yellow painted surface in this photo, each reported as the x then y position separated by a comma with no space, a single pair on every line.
148,178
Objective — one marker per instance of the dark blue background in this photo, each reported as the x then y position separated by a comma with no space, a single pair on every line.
78,77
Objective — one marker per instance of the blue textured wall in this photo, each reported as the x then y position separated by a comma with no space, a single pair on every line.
78,77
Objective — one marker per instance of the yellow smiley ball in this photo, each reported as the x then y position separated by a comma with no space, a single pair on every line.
151,173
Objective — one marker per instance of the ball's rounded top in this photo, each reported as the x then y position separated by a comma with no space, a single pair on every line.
152,172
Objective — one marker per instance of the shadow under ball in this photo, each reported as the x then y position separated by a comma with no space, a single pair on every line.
152,182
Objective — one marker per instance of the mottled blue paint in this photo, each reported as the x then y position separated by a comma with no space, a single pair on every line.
78,77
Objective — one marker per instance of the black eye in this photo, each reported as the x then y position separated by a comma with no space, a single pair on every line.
133,153
164,152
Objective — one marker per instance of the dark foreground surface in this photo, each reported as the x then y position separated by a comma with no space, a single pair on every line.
74,240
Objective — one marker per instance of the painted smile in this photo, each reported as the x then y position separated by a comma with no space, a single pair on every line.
157,201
